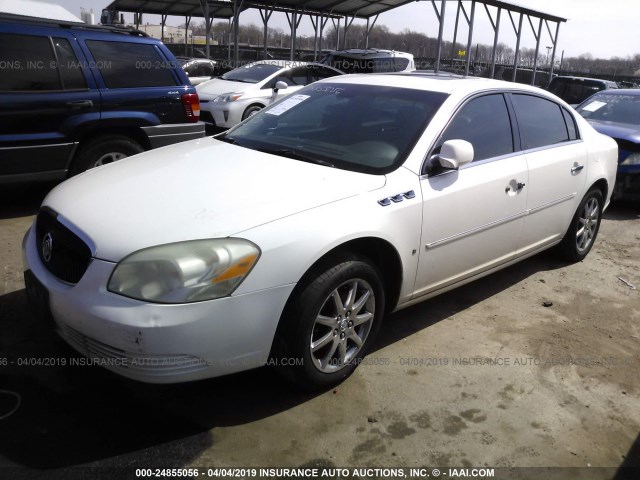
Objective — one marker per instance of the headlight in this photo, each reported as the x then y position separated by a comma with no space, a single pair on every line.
185,272
633,159
228,97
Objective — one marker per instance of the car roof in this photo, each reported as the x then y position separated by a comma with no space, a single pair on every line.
437,82
369,53
620,91
569,77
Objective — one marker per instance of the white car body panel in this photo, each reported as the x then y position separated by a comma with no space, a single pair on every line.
206,205
459,226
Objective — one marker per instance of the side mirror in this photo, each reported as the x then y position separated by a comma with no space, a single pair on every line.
280,85
455,153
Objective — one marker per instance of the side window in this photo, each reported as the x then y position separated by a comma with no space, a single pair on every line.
318,73
299,76
69,66
541,121
571,125
483,122
27,62
131,65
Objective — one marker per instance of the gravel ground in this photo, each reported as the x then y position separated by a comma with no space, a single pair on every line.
486,375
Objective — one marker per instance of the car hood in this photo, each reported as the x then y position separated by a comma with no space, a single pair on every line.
211,89
621,131
204,188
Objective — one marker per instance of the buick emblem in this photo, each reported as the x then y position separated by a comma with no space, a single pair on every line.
47,247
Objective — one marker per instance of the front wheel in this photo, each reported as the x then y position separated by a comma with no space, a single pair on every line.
584,227
251,111
331,325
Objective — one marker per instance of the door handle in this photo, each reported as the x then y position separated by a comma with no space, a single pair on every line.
576,168
514,186
80,104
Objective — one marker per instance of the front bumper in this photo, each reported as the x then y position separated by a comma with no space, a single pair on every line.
168,134
628,183
151,342
224,114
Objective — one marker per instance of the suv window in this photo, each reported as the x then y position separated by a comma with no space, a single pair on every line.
541,121
27,64
131,65
484,122
69,66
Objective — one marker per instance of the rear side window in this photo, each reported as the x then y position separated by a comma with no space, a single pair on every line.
541,121
484,122
27,64
571,125
70,67
131,65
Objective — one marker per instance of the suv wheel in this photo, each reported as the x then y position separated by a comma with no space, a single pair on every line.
103,150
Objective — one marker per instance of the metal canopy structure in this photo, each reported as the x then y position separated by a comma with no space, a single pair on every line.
321,11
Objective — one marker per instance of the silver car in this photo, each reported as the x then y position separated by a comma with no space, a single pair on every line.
227,100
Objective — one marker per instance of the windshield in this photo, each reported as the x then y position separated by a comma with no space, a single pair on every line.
612,108
252,73
365,128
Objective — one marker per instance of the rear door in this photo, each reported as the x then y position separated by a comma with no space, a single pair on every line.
45,95
557,161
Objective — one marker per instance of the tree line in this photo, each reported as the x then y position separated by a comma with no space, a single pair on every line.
425,47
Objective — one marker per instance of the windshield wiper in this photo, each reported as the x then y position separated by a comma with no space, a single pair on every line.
296,155
224,138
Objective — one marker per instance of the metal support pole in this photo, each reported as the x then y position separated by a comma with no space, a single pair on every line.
440,16
515,59
163,20
469,40
265,29
455,32
535,58
187,21
207,26
496,30
553,53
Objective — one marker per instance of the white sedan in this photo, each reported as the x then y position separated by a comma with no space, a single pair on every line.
227,100
289,238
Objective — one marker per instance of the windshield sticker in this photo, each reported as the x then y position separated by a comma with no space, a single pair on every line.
327,89
287,104
593,106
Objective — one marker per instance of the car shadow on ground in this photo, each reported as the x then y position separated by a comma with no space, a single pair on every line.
21,200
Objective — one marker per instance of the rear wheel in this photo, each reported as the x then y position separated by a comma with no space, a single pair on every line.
584,227
331,325
104,150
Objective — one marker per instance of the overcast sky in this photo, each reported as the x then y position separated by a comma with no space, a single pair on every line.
603,29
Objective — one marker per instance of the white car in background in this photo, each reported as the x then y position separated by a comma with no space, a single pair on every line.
370,60
291,236
199,70
227,100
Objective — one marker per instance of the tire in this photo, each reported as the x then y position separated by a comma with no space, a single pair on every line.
103,150
584,227
252,110
328,330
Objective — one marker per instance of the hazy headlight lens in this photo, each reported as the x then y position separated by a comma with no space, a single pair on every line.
185,272
633,159
228,97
